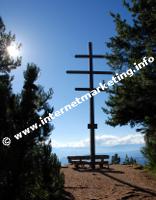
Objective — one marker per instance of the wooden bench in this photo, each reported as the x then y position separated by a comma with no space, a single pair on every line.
81,161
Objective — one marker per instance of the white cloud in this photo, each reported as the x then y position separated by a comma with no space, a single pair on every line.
105,140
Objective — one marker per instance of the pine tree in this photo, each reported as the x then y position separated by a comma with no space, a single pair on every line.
34,170
127,160
115,159
28,169
39,164
133,101
7,107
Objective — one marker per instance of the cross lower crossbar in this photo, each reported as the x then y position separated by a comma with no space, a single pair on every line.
88,89
88,56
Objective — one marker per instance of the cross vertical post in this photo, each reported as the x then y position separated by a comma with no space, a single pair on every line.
92,128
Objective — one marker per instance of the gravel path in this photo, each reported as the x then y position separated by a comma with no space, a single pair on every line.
119,183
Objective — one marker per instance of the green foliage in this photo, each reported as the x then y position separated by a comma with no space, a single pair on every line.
115,159
150,150
126,161
6,62
133,100
46,181
129,161
28,169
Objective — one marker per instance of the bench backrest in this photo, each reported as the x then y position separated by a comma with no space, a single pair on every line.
78,157
72,158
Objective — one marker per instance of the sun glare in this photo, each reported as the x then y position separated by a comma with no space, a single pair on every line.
13,50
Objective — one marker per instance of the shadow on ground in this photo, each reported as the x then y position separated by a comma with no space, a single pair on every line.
68,196
107,172
137,188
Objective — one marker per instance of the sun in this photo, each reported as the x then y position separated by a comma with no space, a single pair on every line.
13,50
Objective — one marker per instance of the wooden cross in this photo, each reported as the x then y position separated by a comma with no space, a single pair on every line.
92,126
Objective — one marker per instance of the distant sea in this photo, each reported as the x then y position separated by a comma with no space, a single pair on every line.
122,150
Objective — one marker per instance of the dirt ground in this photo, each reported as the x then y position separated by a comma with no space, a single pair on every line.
119,183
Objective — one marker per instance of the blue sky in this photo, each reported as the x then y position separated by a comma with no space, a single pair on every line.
51,33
